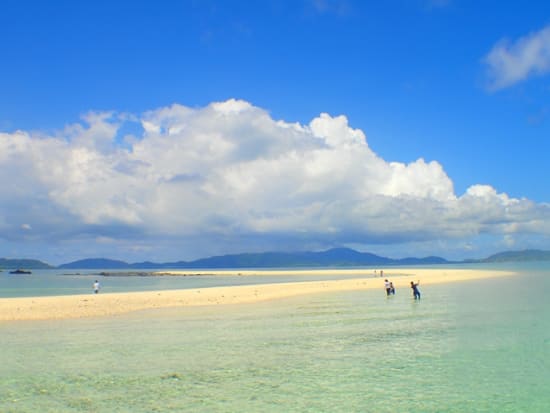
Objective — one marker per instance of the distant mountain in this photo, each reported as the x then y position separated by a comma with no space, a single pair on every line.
525,255
336,257
423,261
96,264
27,264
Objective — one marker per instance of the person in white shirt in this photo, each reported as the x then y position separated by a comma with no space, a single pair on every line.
387,286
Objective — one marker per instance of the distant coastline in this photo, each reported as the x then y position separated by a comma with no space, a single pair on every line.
332,258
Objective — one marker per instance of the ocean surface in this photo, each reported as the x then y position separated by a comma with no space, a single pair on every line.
63,282
479,346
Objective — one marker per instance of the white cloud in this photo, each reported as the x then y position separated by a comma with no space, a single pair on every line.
509,63
227,177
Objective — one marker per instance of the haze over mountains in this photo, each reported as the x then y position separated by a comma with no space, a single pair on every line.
336,257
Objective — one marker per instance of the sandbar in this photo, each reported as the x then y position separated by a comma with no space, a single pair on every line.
110,304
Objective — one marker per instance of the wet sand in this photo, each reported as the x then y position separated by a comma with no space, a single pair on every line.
100,305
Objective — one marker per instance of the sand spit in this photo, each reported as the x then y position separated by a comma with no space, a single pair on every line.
99,305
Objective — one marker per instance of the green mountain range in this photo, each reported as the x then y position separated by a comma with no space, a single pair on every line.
23,263
336,257
519,256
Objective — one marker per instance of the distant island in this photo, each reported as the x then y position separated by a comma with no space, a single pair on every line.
336,257
519,256
6,263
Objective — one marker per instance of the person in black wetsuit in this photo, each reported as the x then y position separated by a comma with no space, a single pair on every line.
414,287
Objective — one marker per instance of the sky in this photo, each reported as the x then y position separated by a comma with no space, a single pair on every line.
175,130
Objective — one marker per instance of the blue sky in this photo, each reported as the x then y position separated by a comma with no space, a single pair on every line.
434,106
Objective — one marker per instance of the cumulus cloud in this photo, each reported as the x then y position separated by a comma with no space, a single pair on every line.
511,62
229,173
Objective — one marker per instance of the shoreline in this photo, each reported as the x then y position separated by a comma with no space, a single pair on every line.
237,272
111,304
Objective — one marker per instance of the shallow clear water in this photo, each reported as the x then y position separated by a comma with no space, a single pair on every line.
480,346
59,282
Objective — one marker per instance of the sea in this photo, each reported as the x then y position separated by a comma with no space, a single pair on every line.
476,346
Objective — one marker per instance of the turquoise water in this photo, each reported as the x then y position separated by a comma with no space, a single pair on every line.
480,346
58,282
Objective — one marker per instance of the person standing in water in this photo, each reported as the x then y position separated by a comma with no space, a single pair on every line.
387,286
96,286
414,287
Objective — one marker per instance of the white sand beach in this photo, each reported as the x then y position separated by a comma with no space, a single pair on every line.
98,305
